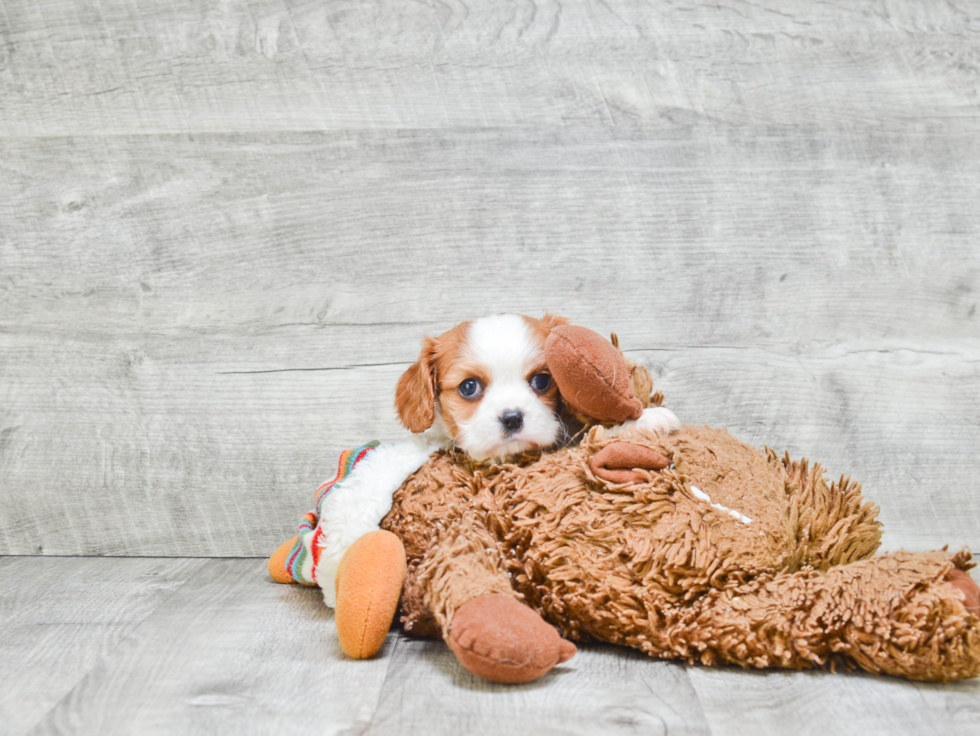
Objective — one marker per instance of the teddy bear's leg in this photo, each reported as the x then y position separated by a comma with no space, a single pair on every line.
836,525
368,585
904,614
961,580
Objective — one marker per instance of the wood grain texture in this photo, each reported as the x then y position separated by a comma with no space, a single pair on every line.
602,690
191,328
231,652
959,703
851,704
120,67
61,616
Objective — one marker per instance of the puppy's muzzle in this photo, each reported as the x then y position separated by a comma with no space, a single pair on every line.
512,419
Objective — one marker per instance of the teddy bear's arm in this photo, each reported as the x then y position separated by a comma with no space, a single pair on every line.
465,563
491,632
906,614
600,385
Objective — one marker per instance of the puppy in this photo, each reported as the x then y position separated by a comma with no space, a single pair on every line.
484,387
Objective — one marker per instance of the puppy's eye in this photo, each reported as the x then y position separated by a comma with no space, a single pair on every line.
540,382
471,388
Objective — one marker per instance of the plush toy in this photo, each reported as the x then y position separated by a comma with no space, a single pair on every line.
691,546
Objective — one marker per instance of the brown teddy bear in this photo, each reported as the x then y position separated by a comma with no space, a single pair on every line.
691,546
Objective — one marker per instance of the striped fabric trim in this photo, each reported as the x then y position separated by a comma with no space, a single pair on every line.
302,559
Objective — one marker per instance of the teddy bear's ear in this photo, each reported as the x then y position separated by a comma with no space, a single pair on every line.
592,375
415,397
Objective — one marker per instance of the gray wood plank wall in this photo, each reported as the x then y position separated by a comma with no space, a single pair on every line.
225,228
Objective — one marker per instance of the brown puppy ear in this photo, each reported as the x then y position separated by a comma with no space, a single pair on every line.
415,397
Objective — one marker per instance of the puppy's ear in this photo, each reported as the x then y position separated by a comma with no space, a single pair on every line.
415,397
551,321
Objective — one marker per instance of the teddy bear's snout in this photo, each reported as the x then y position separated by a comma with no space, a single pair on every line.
620,461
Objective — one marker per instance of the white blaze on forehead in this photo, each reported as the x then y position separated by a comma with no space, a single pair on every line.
504,344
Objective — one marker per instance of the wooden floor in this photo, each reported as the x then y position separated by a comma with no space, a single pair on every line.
225,227
212,646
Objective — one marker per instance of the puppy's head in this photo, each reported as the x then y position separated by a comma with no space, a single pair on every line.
486,384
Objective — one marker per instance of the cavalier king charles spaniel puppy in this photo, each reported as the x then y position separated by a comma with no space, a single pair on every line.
484,387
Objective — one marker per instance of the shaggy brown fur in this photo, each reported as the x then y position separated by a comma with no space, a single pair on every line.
651,566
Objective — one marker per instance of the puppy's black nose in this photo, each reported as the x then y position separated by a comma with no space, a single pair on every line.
512,419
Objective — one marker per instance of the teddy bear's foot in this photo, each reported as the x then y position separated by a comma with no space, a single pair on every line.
962,581
931,633
502,640
906,614
369,583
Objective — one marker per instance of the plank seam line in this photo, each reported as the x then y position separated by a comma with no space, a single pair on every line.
313,370
359,729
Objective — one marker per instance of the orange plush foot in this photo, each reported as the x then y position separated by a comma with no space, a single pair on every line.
369,583
277,563
502,640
